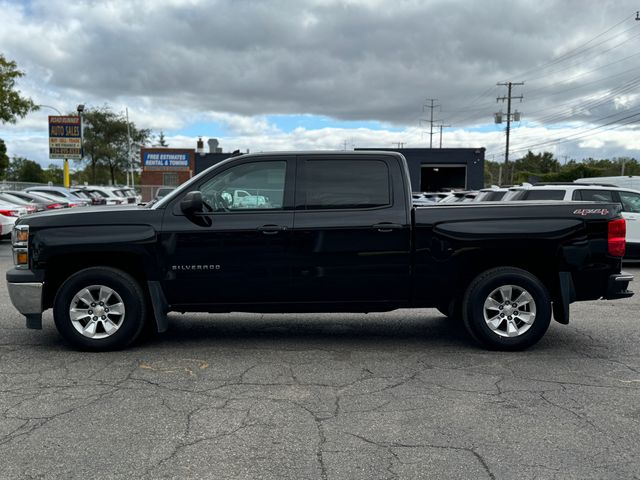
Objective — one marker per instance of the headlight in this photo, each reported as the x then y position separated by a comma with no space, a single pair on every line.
20,236
20,244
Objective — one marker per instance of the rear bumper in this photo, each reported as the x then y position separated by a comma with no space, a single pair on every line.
617,286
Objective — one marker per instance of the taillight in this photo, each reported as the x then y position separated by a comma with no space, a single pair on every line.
54,206
10,213
616,237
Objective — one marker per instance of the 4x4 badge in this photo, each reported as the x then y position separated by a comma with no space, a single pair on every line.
591,211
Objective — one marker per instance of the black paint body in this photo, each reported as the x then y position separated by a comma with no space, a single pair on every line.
370,259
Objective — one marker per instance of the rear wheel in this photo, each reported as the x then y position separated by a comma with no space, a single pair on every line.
506,309
99,308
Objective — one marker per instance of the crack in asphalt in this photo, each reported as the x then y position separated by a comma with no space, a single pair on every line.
391,445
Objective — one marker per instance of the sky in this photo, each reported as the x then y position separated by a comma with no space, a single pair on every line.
270,75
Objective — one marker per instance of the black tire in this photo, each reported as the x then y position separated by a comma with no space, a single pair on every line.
488,284
129,324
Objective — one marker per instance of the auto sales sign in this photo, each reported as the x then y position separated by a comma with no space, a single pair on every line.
65,137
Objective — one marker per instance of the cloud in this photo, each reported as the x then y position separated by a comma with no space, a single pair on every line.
180,63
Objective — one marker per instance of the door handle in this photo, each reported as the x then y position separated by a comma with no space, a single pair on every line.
271,229
386,227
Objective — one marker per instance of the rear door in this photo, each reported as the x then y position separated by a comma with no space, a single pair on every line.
351,235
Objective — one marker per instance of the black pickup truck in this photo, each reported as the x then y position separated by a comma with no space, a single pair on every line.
312,232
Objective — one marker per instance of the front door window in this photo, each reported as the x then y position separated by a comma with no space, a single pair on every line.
250,186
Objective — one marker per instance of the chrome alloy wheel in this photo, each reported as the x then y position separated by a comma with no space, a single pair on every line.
509,311
97,311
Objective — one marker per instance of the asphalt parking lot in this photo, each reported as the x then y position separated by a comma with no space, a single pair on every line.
334,396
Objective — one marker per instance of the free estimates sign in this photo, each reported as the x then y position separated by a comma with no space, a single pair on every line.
65,137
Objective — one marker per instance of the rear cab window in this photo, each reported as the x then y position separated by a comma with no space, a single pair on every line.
344,184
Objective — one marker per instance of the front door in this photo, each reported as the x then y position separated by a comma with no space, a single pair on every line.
235,252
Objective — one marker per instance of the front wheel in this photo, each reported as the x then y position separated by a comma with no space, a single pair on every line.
506,309
99,309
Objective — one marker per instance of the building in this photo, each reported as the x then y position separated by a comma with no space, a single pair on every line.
435,169
430,169
170,167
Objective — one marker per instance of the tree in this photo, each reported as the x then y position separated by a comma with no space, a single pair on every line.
4,158
106,142
24,170
12,104
161,141
53,174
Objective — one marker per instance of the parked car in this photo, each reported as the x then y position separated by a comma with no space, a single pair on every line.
344,236
459,197
29,206
12,210
491,194
428,198
41,201
108,194
6,226
95,198
629,200
62,194
129,194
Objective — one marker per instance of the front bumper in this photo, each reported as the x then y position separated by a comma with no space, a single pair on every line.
26,292
26,297
617,286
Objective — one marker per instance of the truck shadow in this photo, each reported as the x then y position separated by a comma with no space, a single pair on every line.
416,326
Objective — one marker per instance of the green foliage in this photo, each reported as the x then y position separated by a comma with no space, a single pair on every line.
54,174
4,158
106,143
542,167
12,104
161,140
24,170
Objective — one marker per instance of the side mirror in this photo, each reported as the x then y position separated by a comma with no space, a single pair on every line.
191,203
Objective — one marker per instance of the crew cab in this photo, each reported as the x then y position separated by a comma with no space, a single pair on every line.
339,233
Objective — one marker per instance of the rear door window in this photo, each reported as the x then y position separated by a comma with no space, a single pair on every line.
345,184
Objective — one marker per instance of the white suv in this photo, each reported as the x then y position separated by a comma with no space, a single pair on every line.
628,198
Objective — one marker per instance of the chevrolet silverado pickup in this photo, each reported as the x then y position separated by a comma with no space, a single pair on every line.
339,233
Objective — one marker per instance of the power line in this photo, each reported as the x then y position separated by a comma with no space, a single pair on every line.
629,119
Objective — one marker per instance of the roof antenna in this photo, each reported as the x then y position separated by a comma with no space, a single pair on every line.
637,16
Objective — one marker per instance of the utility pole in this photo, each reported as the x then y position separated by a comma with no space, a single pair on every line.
441,126
431,106
129,150
515,115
